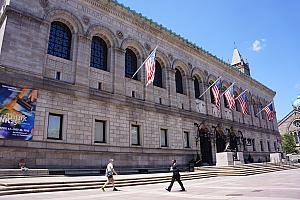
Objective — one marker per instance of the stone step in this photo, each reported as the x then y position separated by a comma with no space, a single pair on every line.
22,188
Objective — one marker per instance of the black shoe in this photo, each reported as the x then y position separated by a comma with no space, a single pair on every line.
183,190
168,190
115,189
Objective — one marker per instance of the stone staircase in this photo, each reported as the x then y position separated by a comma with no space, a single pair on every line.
28,186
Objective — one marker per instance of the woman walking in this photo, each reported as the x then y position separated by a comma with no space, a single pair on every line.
109,175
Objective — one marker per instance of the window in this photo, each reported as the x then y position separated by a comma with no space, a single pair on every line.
237,103
57,76
163,138
253,144
261,146
196,88
130,64
158,75
55,126
100,131
135,135
98,53
60,38
269,148
224,98
212,98
178,80
186,138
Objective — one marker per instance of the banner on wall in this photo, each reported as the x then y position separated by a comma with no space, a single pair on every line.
17,106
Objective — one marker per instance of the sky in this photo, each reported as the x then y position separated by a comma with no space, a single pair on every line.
266,32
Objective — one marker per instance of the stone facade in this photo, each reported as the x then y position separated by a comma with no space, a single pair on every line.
290,124
24,34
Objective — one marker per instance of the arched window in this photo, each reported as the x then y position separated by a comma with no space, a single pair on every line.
212,98
196,87
98,53
224,98
130,64
158,75
178,79
237,103
60,38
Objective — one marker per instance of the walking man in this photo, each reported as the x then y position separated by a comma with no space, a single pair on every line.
176,176
109,175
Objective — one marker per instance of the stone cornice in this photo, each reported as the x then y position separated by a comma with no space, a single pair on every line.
137,19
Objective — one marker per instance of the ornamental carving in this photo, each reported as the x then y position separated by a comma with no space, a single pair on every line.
147,46
120,35
86,20
44,3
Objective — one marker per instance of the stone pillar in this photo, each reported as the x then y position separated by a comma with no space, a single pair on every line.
119,72
190,92
172,84
83,61
224,159
275,157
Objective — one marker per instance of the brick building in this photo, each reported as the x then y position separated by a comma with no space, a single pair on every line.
79,55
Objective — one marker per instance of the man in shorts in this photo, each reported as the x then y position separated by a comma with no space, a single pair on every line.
109,175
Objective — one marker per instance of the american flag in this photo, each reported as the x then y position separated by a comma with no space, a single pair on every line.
270,112
150,67
243,102
229,94
216,92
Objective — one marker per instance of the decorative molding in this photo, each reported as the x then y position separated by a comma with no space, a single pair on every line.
86,20
120,35
44,3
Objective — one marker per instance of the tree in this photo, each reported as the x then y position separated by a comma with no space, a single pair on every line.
288,143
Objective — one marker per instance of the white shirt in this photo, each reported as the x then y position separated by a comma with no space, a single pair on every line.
109,167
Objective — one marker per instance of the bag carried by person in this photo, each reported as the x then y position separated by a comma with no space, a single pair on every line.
109,174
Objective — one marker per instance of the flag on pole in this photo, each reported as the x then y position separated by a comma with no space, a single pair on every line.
270,112
150,66
243,102
216,90
229,94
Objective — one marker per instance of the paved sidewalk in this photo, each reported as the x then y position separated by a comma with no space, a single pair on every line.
283,185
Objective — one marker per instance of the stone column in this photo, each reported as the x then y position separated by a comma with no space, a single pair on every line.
119,72
190,92
172,88
83,61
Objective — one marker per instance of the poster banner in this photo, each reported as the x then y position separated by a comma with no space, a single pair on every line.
17,106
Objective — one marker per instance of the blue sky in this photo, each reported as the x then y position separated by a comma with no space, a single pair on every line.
266,32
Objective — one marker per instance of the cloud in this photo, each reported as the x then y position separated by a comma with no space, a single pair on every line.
257,45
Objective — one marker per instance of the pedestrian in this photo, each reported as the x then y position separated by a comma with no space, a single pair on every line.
176,176
109,175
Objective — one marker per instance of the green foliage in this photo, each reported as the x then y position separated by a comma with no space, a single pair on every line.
288,143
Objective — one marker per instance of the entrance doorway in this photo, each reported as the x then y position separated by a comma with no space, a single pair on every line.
206,150
220,142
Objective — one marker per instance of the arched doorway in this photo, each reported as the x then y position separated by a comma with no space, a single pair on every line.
205,145
220,141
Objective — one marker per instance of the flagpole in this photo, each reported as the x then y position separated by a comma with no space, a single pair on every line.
143,62
264,107
209,87
227,89
240,94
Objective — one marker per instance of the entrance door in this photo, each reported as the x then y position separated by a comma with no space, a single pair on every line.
206,150
220,142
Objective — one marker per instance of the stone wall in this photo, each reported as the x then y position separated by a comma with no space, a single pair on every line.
76,96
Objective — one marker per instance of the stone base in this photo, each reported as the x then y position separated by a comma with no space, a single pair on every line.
240,158
224,159
275,157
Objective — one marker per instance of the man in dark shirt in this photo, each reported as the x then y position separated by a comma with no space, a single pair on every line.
176,176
